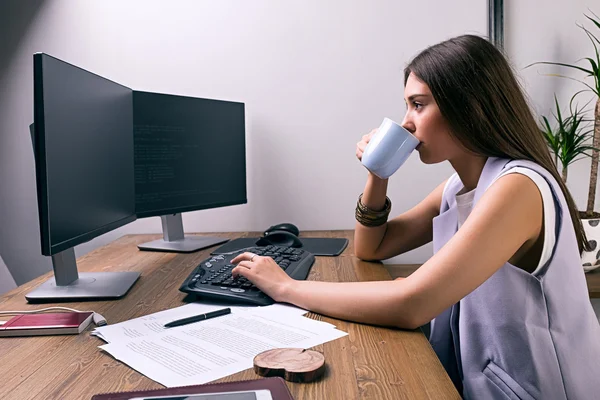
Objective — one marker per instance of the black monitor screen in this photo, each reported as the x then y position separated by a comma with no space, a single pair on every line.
84,154
189,153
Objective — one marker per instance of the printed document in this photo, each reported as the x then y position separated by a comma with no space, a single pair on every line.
154,323
202,352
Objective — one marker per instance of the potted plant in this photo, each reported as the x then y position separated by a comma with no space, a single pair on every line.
568,143
590,218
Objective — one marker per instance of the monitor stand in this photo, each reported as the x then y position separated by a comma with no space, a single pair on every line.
174,239
68,284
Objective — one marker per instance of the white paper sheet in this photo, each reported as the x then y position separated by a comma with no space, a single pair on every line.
202,352
153,323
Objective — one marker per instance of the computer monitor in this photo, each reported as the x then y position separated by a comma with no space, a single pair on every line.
83,146
190,154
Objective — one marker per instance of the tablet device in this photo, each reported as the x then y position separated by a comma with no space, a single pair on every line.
237,395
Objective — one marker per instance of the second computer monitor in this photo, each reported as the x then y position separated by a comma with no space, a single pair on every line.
190,154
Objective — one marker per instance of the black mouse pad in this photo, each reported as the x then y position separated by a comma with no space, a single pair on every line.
316,246
324,246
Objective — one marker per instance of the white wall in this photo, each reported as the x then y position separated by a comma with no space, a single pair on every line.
315,76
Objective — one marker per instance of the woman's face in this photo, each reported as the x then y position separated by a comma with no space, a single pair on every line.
424,120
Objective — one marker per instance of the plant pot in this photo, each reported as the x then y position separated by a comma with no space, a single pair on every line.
591,259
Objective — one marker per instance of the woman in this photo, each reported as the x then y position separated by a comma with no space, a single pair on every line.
505,288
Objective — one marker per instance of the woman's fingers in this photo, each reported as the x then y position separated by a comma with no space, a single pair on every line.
360,146
243,268
264,273
359,152
240,271
246,256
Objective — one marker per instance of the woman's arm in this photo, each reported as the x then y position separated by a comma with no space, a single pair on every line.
405,232
508,216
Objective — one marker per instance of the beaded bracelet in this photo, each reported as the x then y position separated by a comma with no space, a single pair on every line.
371,218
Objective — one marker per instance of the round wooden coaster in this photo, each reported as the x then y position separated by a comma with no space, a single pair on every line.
294,365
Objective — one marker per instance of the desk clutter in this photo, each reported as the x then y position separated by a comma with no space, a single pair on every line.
211,349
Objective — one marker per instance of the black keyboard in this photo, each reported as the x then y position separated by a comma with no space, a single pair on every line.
212,278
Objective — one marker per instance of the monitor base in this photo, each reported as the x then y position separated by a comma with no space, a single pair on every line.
90,285
186,245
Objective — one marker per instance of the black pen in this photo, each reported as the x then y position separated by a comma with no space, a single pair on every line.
197,318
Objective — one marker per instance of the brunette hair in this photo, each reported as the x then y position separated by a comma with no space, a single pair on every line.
479,96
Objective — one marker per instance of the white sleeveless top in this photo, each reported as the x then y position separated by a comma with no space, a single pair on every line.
464,204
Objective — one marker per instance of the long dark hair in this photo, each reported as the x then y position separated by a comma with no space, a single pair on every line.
479,96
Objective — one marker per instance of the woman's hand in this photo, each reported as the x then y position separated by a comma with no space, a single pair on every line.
264,273
360,146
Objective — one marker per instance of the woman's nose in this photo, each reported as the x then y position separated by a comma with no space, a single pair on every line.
408,124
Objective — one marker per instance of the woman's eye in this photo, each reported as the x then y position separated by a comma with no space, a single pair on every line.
417,105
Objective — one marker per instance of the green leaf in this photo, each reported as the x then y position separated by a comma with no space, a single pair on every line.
561,125
594,65
590,35
595,90
568,142
597,23
563,65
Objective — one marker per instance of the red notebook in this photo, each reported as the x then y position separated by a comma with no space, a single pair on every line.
276,385
69,323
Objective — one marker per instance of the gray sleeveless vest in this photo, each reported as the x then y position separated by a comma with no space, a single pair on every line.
520,335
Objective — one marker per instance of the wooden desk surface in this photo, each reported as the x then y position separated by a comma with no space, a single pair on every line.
593,282
371,362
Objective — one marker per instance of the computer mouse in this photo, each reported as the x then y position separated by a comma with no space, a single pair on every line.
286,226
279,238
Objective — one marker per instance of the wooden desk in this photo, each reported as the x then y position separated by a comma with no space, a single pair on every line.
371,362
593,283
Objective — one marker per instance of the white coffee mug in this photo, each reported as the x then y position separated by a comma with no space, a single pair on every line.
388,149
